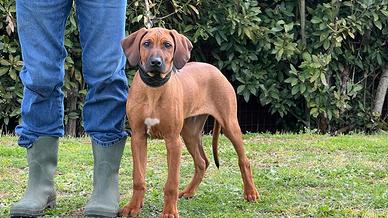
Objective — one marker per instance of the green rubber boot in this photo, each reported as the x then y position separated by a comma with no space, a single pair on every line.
105,197
40,194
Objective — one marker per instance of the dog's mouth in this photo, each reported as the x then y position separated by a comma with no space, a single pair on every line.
154,78
157,74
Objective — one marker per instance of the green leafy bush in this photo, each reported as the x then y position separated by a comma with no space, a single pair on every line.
327,81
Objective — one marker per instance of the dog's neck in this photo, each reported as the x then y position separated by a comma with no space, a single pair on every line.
155,81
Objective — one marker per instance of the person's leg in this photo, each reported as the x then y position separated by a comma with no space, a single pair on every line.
101,25
41,27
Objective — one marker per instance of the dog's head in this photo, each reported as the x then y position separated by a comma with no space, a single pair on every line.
157,50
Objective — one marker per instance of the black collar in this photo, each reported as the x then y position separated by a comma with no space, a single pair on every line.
155,81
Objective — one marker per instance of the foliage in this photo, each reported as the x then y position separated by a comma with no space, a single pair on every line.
10,65
297,175
330,79
75,88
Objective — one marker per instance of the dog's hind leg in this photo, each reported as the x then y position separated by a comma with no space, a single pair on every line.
233,133
192,137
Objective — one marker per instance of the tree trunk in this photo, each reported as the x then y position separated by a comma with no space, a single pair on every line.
302,11
381,92
302,14
71,128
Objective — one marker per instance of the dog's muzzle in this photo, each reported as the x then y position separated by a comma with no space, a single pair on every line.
155,80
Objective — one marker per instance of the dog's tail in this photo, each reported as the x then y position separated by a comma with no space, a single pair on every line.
216,134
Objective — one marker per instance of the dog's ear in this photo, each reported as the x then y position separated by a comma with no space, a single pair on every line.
182,51
131,46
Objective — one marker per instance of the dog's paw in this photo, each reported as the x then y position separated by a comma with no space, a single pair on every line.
251,195
170,210
130,210
169,215
186,194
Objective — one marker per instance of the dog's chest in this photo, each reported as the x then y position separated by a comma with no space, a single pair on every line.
154,111
155,124
153,127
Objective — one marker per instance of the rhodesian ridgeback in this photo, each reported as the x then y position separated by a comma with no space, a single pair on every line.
168,99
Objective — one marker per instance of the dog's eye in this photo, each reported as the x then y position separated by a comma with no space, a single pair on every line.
167,45
146,44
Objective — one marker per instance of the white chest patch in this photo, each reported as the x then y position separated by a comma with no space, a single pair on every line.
149,122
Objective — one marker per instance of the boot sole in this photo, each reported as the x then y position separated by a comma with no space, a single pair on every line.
100,214
19,213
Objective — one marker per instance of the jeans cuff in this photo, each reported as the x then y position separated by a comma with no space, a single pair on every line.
110,143
26,142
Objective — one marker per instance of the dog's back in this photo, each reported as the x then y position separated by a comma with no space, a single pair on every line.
209,86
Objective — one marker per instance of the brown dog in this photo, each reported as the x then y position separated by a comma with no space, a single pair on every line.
166,103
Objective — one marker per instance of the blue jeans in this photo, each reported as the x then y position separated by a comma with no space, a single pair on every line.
41,26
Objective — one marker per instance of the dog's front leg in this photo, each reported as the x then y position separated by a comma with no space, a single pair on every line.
174,149
139,154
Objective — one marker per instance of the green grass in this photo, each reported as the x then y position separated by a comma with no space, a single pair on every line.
296,175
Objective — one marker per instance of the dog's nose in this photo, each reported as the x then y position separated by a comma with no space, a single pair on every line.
156,62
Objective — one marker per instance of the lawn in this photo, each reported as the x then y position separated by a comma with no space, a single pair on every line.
296,175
